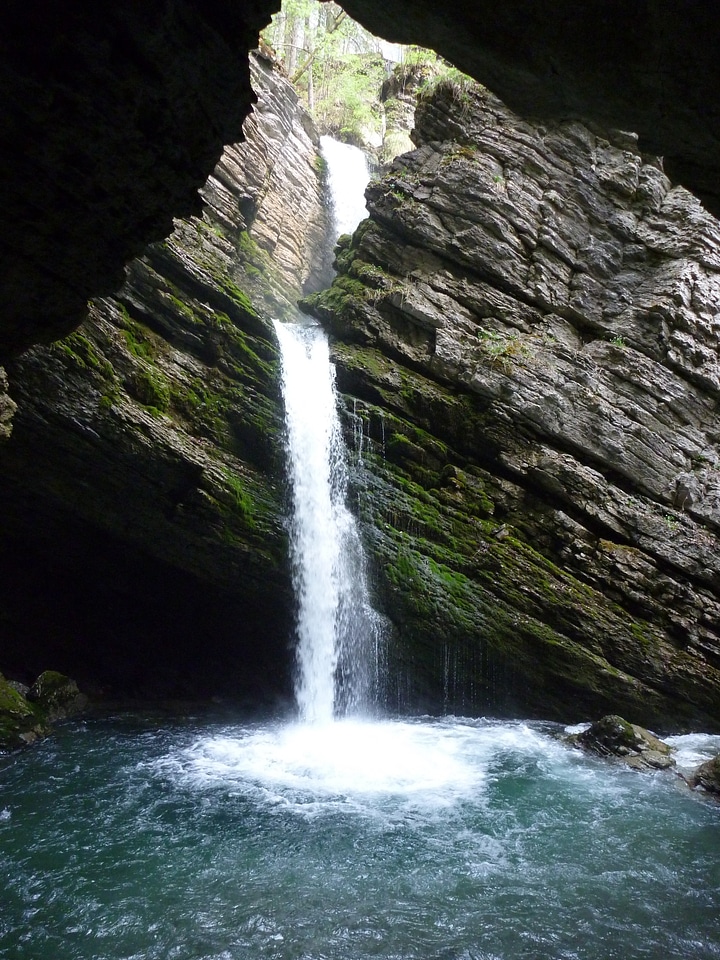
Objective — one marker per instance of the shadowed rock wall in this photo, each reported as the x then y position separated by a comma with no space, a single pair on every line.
143,542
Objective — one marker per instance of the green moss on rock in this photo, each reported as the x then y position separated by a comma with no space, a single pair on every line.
151,388
21,722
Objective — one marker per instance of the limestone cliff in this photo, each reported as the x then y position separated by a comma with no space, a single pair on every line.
527,329
142,494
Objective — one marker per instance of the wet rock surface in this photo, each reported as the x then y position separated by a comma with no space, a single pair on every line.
612,736
707,777
27,713
526,334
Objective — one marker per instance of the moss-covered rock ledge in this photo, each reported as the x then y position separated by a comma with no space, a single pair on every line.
27,713
526,336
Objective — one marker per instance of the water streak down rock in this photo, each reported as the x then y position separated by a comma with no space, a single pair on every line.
528,327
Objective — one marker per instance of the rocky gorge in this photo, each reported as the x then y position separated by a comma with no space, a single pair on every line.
526,344
526,335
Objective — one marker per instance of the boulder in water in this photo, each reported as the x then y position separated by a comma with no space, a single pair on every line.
707,777
57,695
20,721
612,736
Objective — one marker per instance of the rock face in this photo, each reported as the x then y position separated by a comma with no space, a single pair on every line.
527,327
115,116
624,66
398,97
7,408
143,540
271,184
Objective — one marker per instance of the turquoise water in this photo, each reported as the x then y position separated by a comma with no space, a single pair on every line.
428,839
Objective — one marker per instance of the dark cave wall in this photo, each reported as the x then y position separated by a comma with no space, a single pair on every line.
143,547
114,116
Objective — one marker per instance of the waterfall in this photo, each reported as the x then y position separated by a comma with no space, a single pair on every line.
338,632
347,177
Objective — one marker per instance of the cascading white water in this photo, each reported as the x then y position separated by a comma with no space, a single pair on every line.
337,630
347,177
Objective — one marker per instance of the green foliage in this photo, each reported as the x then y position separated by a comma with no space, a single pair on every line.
414,56
500,350
335,65
346,100
339,70
451,82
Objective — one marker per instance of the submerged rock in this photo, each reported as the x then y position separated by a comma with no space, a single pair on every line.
635,746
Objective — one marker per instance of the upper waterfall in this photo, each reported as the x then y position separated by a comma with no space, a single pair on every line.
348,174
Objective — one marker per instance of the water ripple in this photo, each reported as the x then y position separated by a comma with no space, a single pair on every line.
421,839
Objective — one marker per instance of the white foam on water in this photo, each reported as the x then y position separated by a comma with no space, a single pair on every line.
342,760
372,768
693,749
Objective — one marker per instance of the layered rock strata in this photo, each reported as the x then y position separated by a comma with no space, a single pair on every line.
527,329
143,539
648,67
